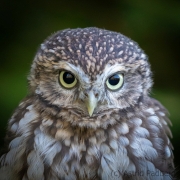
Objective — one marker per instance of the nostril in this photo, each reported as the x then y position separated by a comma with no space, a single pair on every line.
96,95
87,94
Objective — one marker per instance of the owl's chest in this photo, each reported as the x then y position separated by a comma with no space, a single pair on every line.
100,154
77,157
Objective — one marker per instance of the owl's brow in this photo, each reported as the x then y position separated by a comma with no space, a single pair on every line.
111,69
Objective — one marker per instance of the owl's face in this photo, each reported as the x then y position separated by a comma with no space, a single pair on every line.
94,80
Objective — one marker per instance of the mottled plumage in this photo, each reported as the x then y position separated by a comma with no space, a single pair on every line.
88,115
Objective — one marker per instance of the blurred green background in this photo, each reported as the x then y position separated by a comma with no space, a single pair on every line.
155,25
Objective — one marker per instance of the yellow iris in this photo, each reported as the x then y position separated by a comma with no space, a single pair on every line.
67,79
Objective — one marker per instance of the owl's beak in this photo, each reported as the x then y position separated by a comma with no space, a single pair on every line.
91,102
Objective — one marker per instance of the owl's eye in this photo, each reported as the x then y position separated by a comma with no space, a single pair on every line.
67,79
115,81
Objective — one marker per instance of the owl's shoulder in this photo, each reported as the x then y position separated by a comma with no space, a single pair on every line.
162,113
24,108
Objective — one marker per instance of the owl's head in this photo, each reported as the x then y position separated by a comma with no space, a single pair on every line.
90,73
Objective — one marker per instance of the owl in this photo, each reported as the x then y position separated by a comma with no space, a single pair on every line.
88,114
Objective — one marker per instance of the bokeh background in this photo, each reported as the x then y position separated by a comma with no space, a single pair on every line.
155,25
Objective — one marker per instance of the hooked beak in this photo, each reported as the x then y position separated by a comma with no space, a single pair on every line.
91,103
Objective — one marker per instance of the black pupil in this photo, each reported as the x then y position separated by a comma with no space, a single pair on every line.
114,80
68,78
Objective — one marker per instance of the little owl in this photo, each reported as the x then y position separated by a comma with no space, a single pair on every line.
88,115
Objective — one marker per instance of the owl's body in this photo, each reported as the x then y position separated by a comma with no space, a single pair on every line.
88,115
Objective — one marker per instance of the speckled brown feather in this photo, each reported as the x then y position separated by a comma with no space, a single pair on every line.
51,135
